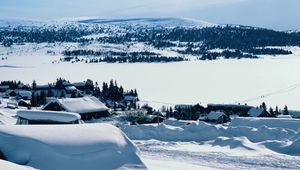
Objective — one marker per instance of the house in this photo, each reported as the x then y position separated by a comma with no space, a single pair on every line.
258,112
79,85
23,103
12,93
12,105
229,109
88,107
217,117
4,88
24,94
294,114
130,100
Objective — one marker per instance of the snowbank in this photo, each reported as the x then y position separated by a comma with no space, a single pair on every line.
193,132
11,166
251,134
76,147
293,124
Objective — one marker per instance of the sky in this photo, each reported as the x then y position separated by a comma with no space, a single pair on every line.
273,14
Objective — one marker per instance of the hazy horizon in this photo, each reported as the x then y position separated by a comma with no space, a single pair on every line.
273,14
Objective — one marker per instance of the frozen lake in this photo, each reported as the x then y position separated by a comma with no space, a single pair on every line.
274,80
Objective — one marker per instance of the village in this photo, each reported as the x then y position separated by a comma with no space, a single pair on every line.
90,103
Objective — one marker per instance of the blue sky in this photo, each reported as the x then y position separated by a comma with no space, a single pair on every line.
274,14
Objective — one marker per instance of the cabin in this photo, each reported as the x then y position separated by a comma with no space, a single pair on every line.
12,105
79,85
229,109
88,107
217,117
23,103
258,112
24,94
12,93
38,117
130,100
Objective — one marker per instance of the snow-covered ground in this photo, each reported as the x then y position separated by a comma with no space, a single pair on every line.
261,144
270,79
245,143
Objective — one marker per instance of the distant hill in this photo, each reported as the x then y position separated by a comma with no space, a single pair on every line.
164,22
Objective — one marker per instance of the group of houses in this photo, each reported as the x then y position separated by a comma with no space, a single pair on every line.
73,98
220,113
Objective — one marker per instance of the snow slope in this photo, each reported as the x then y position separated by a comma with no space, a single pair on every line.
69,147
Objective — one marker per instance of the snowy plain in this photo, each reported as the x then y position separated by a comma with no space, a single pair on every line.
272,79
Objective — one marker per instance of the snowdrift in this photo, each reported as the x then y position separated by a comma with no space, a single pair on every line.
76,147
257,134
11,166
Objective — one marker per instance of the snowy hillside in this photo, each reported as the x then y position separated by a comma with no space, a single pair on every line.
151,22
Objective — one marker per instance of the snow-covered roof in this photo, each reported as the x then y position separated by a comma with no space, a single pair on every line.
24,93
70,88
42,86
130,98
88,104
76,147
256,112
215,115
48,115
183,106
79,84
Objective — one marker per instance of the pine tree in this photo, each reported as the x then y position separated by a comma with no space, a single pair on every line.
276,112
263,105
33,85
33,100
272,113
43,98
285,110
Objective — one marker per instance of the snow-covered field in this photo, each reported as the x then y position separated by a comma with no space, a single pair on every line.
243,144
270,79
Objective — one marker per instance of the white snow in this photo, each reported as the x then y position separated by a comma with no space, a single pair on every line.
48,115
5,165
86,104
258,78
87,146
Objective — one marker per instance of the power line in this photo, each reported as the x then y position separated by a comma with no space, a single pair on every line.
281,91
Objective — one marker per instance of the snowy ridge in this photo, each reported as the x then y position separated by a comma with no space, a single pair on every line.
165,22
149,22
